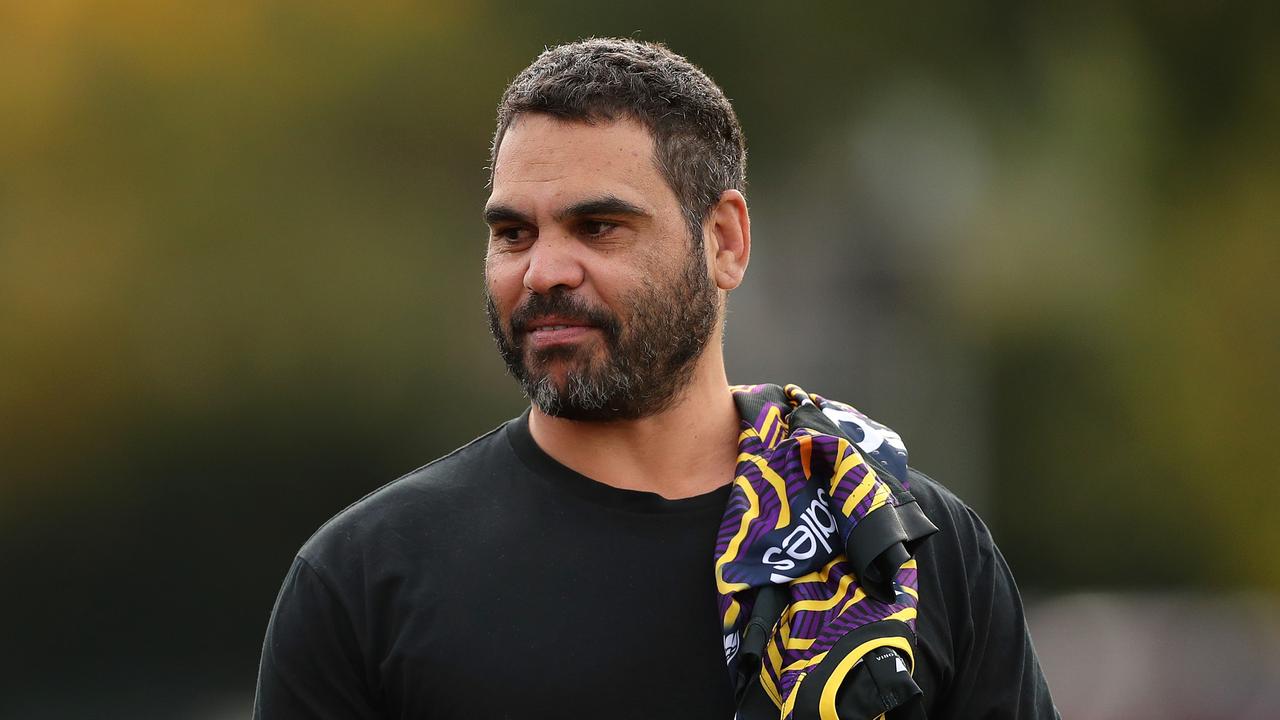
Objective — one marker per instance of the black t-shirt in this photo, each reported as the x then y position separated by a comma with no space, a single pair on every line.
497,583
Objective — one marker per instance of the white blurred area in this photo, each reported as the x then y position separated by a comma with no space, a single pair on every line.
1160,656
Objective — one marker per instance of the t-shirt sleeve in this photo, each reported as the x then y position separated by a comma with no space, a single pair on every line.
997,674
311,666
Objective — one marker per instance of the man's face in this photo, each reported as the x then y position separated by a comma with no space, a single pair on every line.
599,300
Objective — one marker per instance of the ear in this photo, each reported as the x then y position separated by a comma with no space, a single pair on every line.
727,236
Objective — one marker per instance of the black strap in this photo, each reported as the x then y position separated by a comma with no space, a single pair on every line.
770,602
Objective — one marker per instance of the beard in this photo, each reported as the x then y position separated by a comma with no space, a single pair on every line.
649,357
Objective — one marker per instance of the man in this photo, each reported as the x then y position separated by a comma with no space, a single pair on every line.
645,541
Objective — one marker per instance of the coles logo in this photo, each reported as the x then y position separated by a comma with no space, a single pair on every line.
794,556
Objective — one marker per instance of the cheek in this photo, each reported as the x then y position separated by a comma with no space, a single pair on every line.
503,281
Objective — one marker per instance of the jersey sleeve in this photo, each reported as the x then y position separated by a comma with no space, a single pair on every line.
997,675
312,666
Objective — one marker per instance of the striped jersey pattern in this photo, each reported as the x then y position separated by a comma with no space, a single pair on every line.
802,484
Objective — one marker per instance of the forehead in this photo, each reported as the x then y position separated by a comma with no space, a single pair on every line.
543,160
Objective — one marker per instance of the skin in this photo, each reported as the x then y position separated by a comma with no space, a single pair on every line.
582,208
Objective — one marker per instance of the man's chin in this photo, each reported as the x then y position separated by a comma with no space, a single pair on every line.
560,364
574,396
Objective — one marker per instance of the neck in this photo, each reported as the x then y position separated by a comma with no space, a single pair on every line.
689,449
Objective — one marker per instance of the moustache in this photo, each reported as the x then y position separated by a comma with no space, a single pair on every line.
564,306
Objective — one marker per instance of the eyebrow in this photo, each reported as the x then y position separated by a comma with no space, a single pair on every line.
495,214
604,205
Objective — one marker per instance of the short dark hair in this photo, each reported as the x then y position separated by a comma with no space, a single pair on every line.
698,142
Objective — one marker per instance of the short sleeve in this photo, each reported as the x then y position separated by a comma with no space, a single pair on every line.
997,674
311,666
976,658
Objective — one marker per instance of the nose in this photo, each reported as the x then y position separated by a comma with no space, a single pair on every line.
552,264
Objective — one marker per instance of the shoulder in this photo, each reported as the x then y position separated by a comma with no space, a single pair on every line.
958,560
954,518
410,508
956,565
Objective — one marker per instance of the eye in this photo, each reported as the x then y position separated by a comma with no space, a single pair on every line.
596,228
511,234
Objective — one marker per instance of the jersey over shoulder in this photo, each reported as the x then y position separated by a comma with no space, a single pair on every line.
497,583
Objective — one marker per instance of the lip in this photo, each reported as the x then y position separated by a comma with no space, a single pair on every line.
552,330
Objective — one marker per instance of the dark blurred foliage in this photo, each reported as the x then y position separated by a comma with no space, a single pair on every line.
239,286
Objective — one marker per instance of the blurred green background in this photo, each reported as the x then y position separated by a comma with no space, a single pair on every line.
240,257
